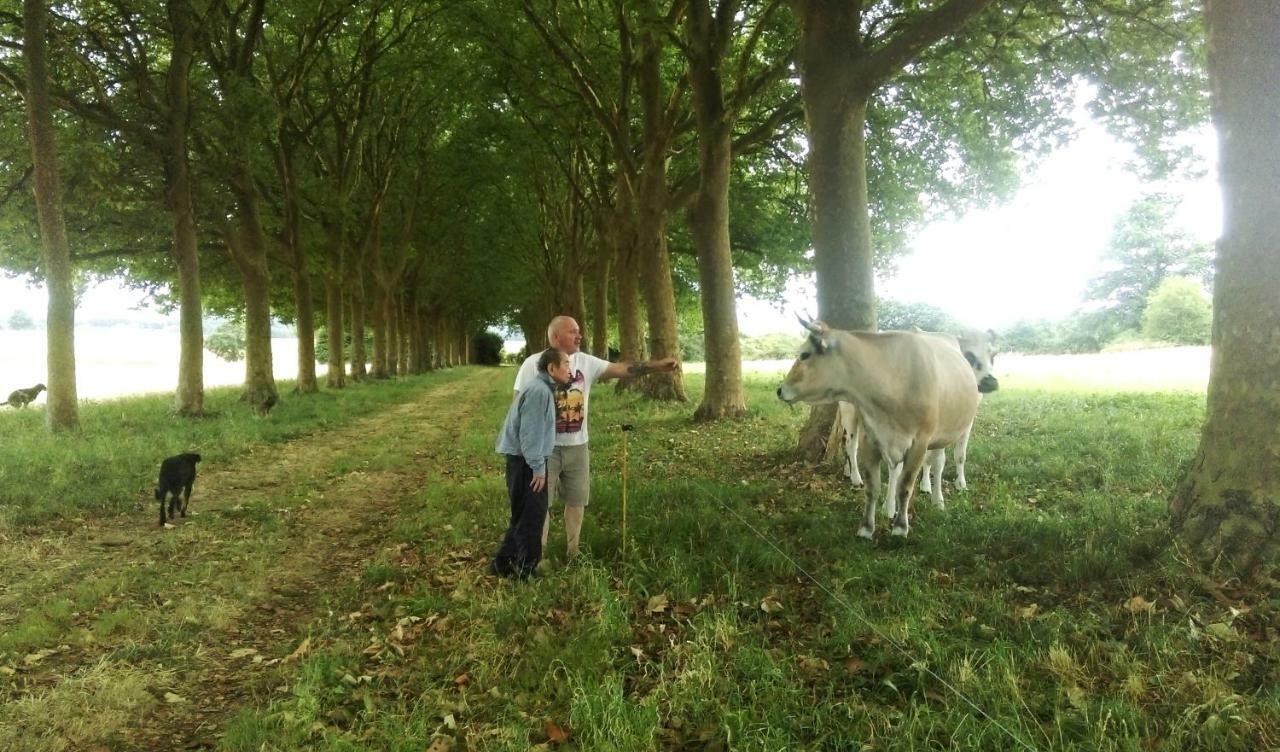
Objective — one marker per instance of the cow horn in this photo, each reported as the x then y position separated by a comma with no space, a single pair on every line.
813,326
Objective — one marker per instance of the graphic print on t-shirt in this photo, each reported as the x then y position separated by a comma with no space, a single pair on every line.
571,404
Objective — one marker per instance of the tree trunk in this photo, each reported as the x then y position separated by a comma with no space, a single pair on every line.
1227,506
394,335
627,276
836,115
651,233
709,220
336,374
61,408
404,336
380,321
302,299
189,396
358,354
600,297
249,252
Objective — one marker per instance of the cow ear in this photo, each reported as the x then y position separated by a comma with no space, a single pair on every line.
973,361
819,347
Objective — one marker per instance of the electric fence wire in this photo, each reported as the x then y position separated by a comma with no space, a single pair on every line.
849,607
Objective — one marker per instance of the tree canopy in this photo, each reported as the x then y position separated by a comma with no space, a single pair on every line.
424,170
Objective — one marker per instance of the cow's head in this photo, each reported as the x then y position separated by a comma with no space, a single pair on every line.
979,349
815,374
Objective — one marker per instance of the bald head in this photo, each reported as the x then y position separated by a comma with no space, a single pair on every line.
564,335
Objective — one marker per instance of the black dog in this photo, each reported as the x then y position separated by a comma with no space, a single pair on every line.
177,473
23,397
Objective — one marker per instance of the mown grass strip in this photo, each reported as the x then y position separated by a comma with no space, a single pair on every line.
1049,593
110,466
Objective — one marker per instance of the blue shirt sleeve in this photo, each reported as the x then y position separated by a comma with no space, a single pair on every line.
537,427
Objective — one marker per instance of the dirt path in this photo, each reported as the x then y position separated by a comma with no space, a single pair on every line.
213,609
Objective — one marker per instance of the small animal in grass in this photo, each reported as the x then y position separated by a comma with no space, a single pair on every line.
177,473
24,397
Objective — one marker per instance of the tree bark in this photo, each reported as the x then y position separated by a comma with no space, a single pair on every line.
62,406
394,342
836,115
189,395
600,295
709,220
651,232
378,320
358,354
249,252
302,296
336,374
1227,506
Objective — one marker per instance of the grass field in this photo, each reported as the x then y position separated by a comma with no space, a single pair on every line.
331,595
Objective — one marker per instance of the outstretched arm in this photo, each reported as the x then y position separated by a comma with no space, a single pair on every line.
626,369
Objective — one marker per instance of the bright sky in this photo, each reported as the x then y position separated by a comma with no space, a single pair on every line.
1030,258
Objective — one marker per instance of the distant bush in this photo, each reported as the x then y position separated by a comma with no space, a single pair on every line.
486,349
771,346
227,342
891,314
692,347
322,344
1178,312
21,320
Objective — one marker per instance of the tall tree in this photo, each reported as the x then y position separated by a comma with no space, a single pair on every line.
1145,248
189,396
840,69
708,38
1227,506
231,56
62,410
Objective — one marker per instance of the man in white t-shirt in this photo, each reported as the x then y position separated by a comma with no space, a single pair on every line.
569,466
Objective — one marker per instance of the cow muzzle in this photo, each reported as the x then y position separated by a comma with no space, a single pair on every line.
988,384
786,394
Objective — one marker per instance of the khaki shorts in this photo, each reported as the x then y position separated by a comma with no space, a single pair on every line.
569,475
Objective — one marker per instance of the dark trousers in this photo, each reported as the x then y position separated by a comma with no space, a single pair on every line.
521,548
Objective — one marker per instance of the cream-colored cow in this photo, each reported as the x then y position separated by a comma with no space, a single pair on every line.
913,392
978,349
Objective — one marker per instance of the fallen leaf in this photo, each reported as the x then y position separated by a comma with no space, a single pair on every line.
770,605
1027,612
638,653
173,699
450,721
243,652
657,604
1137,604
855,665
1220,630
32,659
302,650
461,679
555,734
1075,696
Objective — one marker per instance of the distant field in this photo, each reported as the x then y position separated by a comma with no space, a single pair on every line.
118,362
114,362
1171,369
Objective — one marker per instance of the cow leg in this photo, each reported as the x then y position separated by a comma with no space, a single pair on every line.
912,464
961,451
891,490
849,425
937,459
870,460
